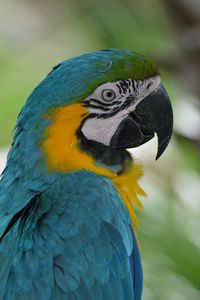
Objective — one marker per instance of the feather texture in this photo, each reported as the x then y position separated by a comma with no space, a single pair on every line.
66,233
76,243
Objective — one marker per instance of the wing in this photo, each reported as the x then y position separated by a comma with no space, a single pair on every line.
22,179
136,269
75,242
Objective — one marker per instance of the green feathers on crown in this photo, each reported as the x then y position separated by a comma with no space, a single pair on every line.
126,64
113,65
76,78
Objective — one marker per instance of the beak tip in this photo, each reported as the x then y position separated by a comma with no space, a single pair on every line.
162,146
158,155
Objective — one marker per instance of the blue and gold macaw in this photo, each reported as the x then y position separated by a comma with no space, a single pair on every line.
67,194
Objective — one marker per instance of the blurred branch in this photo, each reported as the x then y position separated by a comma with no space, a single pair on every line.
185,17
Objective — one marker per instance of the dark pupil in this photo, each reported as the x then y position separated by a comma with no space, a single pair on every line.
109,94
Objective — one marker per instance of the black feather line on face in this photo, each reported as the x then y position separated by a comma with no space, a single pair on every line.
119,88
102,103
114,107
96,106
128,102
124,85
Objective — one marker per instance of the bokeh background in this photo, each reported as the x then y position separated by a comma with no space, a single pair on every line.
36,35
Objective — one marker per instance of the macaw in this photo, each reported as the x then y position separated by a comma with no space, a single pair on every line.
68,228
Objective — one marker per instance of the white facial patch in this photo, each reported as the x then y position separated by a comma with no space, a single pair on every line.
102,130
111,103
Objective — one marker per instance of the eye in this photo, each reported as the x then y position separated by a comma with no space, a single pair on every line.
108,95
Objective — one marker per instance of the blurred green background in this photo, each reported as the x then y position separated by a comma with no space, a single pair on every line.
36,35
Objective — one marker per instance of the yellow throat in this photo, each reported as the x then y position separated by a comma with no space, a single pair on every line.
62,150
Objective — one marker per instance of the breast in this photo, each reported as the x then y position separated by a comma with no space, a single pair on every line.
77,242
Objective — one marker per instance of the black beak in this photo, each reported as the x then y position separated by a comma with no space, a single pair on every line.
153,115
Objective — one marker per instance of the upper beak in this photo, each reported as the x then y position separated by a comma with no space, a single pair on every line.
152,115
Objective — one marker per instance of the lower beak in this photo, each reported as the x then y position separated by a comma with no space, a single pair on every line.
153,115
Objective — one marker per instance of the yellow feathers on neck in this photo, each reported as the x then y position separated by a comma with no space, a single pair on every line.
61,144
63,154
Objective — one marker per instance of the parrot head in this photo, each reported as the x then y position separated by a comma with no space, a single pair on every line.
127,113
94,107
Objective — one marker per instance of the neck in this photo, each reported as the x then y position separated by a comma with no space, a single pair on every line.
115,160
66,152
